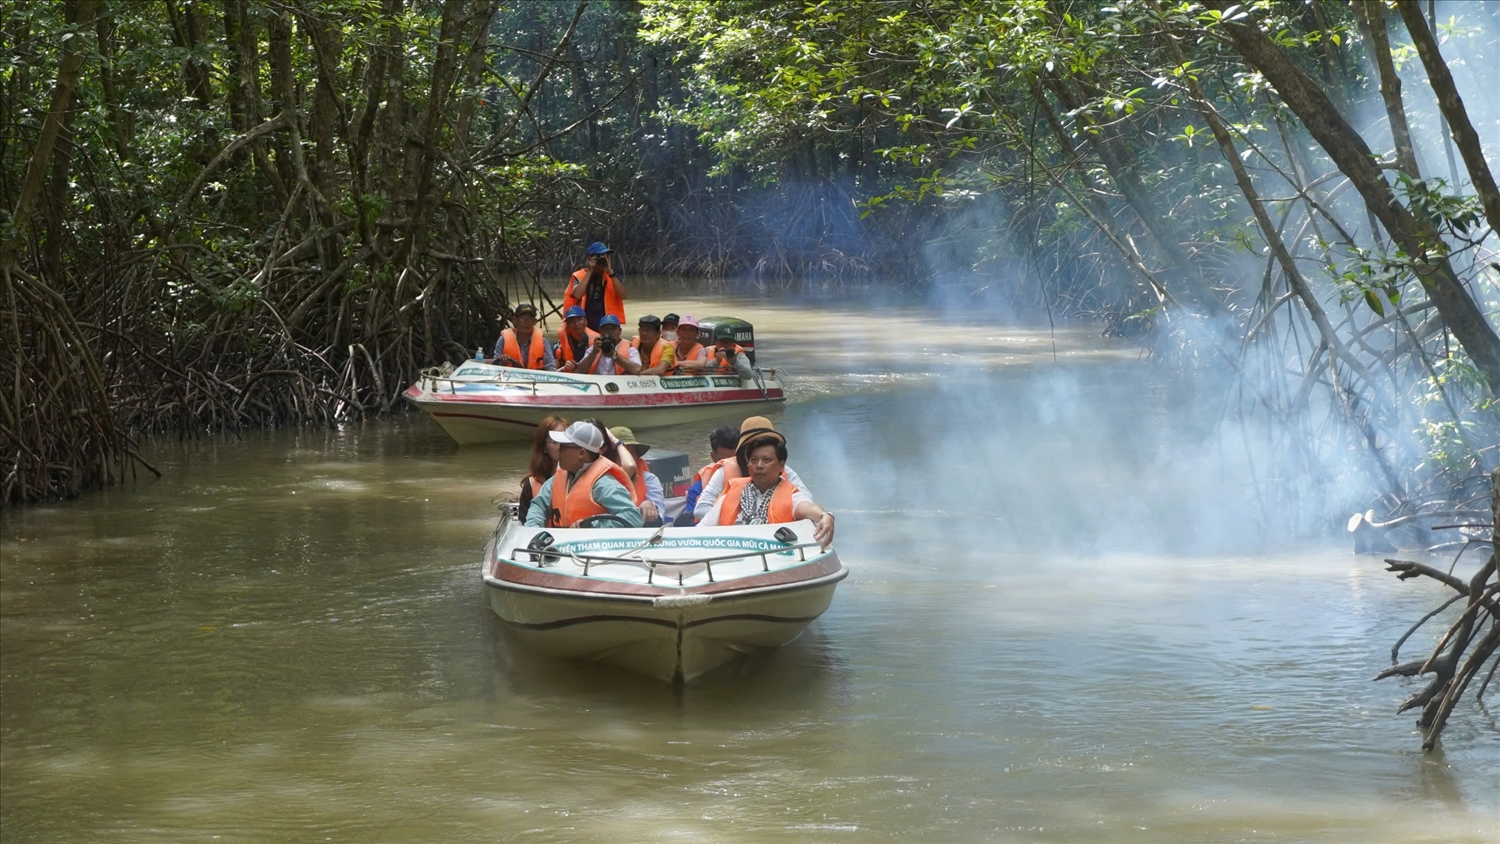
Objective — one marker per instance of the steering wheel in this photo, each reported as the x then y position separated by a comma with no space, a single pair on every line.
597,521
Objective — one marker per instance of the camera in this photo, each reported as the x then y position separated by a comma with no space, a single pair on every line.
607,345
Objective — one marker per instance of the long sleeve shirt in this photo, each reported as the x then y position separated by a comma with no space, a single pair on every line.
715,488
607,491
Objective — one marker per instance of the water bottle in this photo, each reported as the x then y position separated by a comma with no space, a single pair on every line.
479,353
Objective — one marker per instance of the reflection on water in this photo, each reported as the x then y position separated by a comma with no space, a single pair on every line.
1052,631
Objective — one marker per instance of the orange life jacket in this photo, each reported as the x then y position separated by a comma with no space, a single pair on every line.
569,506
638,490
692,354
655,354
535,357
779,511
728,366
565,347
614,303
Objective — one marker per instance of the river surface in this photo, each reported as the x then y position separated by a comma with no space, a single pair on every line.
1064,622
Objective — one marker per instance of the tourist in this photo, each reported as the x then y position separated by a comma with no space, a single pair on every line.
647,492
727,470
721,443
595,288
655,353
585,485
543,460
609,356
690,358
728,357
575,340
764,496
509,348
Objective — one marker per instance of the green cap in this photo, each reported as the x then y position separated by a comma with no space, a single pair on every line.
724,331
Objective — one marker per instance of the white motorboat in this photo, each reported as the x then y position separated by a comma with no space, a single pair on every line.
669,603
479,402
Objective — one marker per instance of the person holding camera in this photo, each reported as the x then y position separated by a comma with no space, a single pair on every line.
596,289
609,356
728,358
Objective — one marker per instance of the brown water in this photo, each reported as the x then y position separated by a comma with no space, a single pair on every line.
1052,632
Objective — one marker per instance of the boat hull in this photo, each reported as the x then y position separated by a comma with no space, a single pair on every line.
482,404
675,645
673,630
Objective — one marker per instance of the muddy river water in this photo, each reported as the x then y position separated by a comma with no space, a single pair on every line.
1062,623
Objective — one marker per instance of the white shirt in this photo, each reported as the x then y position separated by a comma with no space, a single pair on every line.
715,488
711,515
607,365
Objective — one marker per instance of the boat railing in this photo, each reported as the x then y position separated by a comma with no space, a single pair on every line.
543,556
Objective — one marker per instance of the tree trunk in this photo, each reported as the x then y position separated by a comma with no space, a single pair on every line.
1305,97
1370,15
1453,109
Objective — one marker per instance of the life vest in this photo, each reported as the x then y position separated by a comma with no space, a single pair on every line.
535,357
565,347
692,354
656,351
638,489
569,506
778,512
614,303
727,367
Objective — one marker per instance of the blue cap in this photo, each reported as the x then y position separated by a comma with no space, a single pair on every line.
574,311
598,248
609,319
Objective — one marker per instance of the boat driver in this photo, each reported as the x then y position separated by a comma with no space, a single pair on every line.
586,485
764,495
524,346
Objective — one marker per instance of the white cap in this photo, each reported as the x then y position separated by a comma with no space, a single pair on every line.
582,434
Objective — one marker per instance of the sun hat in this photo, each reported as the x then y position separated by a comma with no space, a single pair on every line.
598,248
648,319
608,319
755,427
687,319
626,437
573,312
582,434
723,331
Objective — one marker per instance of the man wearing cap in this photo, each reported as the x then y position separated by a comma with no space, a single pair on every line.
574,340
729,358
655,353
609,356
690,358
595,288
669,328
586,484
647,490
763,495
524,346
727,470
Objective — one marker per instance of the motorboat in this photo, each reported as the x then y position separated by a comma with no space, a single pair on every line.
480,403
670,603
